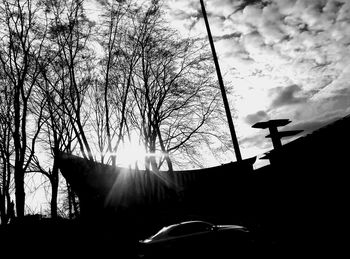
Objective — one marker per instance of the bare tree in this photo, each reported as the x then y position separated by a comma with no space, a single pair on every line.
6,152
57,93
21,45
57,136
173,88
69,33
116,67
60,86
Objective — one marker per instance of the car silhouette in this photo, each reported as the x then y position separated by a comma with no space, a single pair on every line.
195,238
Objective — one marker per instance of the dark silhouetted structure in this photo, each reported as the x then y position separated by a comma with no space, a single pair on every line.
304,190
276,135
299,202
146,198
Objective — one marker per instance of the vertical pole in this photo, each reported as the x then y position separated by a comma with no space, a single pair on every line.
222,87
276,139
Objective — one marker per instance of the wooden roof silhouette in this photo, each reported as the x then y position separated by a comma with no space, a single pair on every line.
103,187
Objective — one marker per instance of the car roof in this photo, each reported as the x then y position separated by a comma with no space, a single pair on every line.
186,222
192,221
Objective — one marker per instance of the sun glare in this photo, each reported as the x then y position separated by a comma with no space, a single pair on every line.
130,155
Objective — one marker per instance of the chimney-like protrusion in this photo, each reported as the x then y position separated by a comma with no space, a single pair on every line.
276,135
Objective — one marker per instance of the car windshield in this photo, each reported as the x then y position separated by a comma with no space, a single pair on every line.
185,228
162,232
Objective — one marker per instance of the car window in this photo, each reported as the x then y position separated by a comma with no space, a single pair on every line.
189,228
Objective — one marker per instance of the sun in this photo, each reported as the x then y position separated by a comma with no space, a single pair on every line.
131,154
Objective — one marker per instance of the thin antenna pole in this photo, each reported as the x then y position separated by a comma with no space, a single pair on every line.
222,88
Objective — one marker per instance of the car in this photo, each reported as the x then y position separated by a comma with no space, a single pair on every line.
195,238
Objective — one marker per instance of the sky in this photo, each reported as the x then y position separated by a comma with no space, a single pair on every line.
284,59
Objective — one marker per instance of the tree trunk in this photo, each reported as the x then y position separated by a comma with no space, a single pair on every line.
53,203
54,188
76,205
2,208
19,172
70,206
167,158
19,194
73,206
4,200
2,196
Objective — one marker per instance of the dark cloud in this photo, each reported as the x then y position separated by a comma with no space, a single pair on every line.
256,117
341,93
244,3
340,101
310,126
286,96
228,36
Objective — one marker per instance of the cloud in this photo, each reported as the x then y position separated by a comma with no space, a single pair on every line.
256,141
222,8
287,96
256,117
338,104
303,45
314,124
337,87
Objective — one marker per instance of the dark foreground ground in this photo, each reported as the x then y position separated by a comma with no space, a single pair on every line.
68,238
72,238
